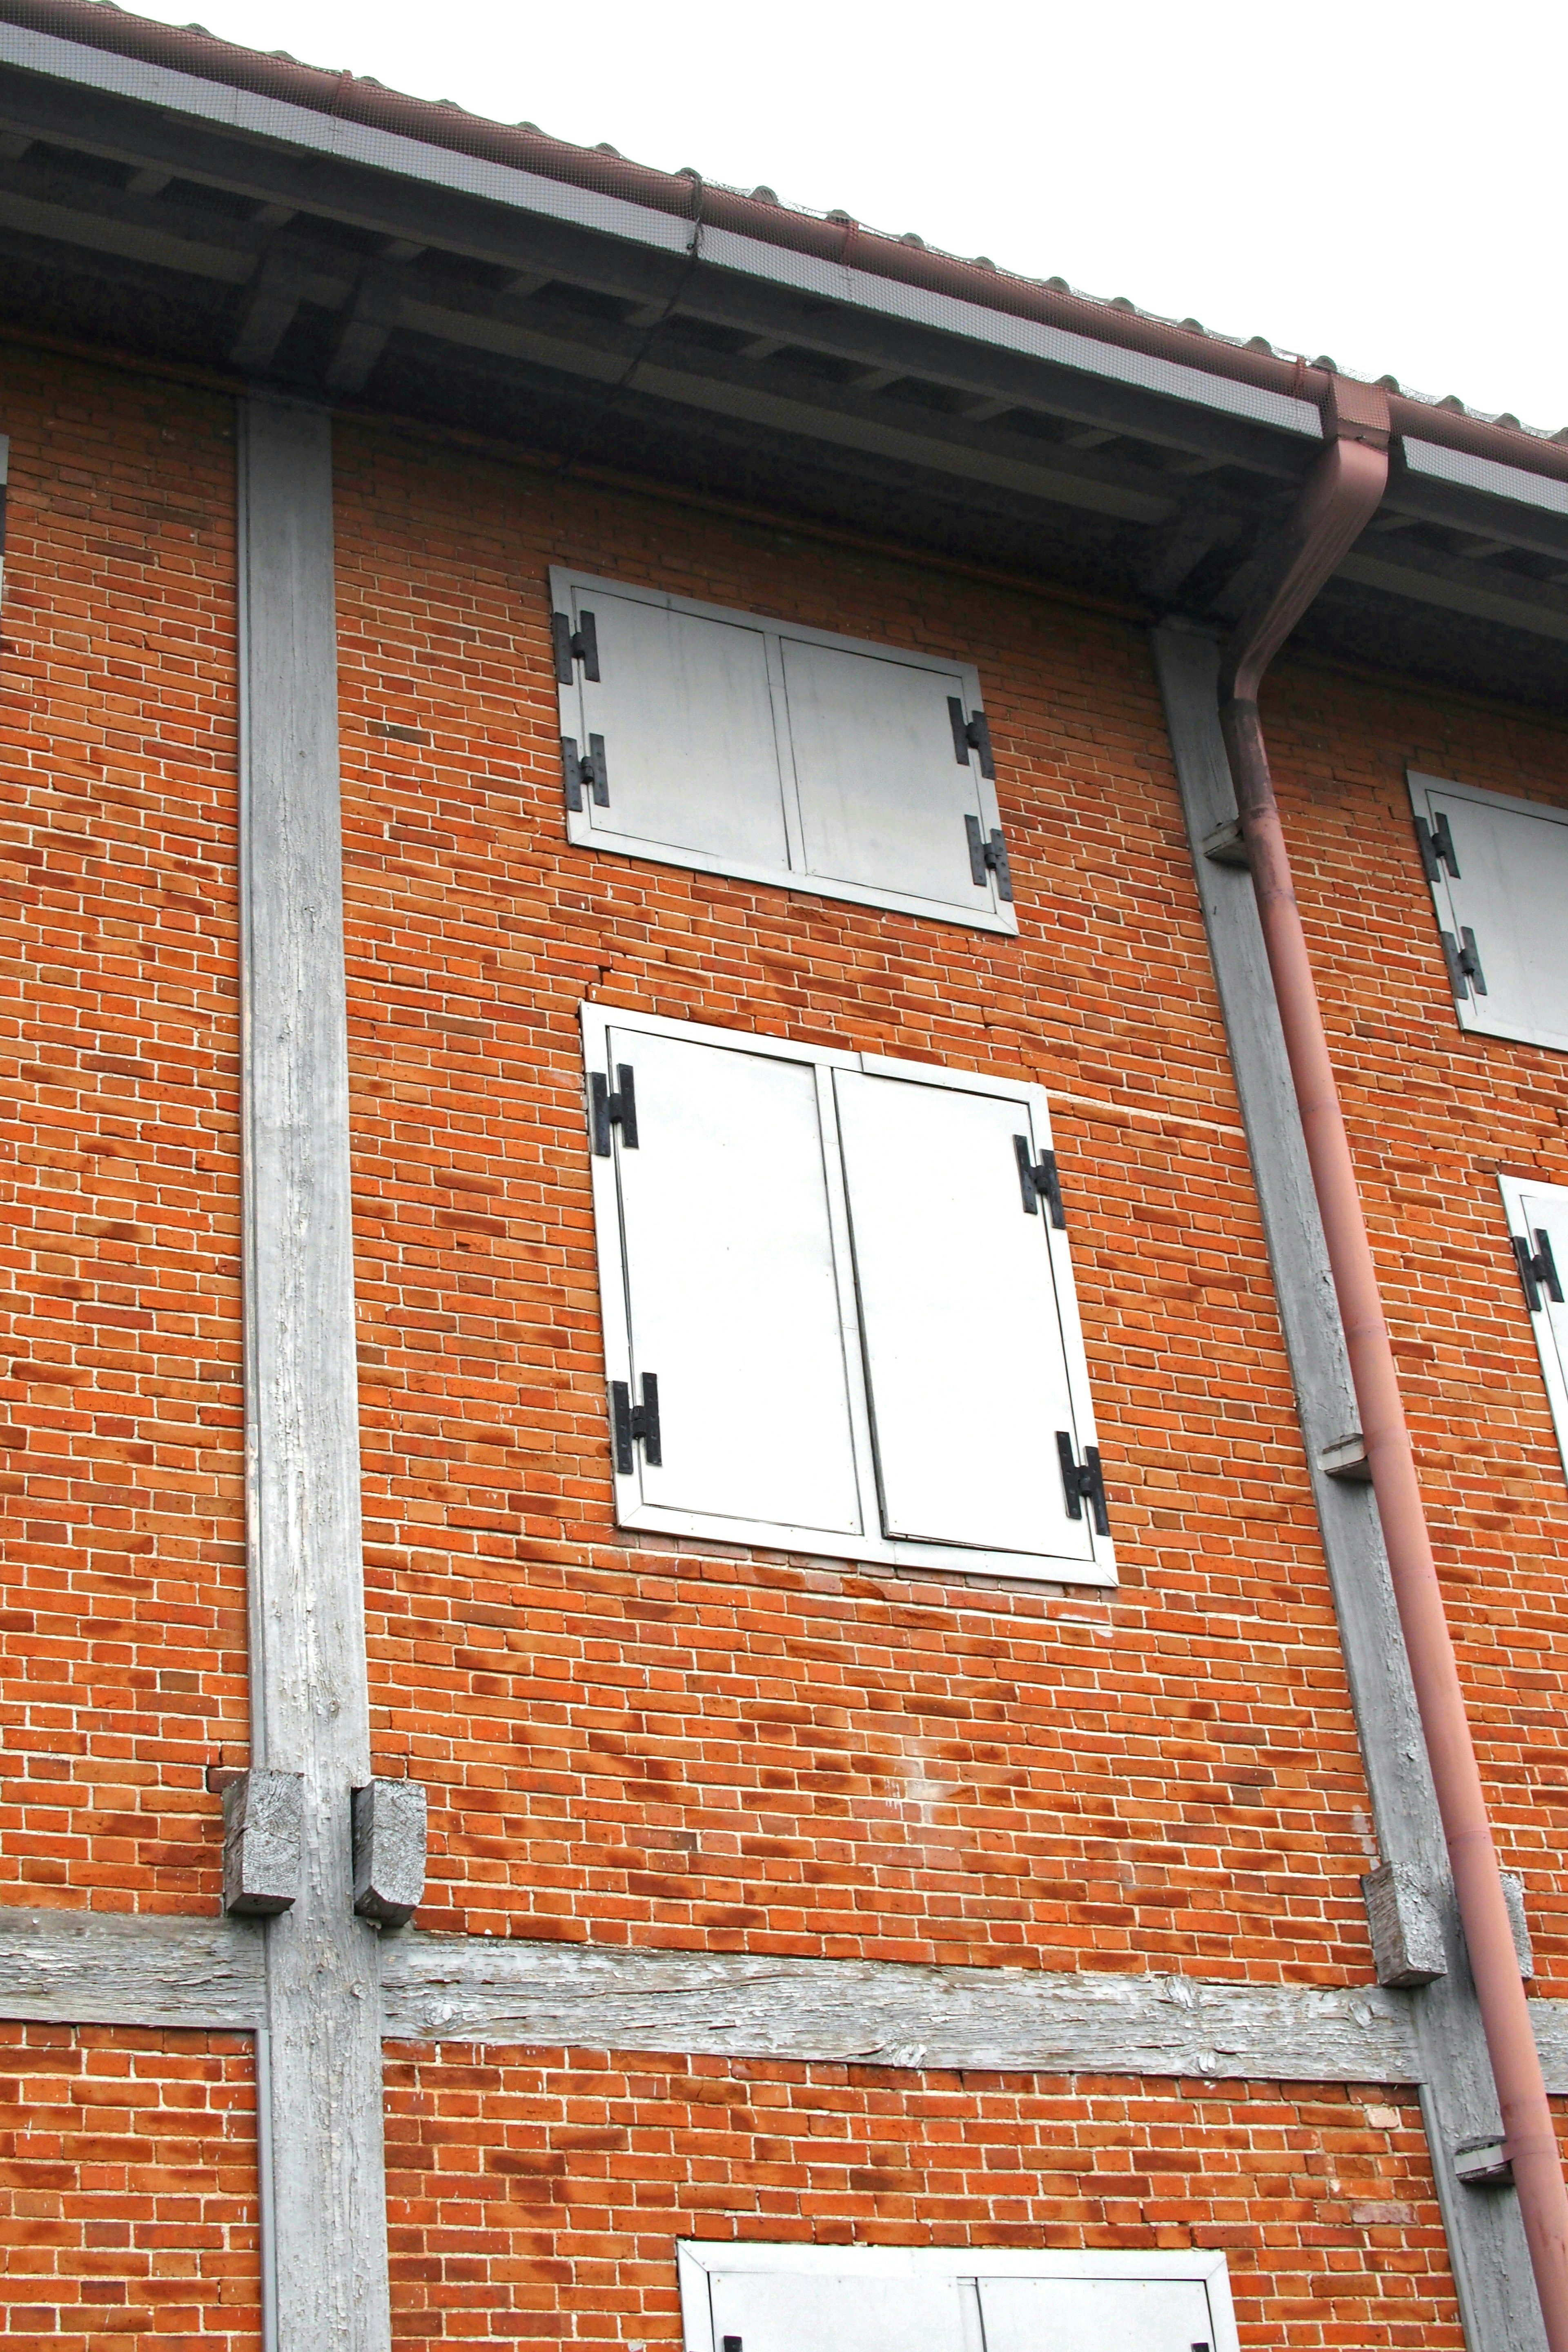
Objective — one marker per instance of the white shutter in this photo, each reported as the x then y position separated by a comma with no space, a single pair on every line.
1095,2315
731,1286
778,2313
778,754
965,1347
1505,912
683,706
1538,1217
883,797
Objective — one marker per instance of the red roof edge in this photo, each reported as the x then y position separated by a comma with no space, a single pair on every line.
98,27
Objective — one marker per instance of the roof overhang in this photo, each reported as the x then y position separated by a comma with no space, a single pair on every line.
189,220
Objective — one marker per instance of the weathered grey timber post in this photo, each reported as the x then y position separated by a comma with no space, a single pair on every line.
308,1703
1485,2233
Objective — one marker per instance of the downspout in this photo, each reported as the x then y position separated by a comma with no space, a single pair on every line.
1340,494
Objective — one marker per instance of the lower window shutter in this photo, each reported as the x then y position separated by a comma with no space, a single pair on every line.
1104,2314
963,1330
784,2312
1537,1229
732,1288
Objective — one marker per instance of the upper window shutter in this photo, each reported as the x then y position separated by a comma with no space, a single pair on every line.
884,796
733,744
965,1351
1538,1230
731,1284
1103,2315
676,741
1499,872
778,2312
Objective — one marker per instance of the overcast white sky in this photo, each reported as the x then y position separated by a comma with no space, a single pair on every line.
1384,184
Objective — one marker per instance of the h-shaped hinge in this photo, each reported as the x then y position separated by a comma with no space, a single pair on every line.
988,857
1538,1272
636,1424
588,768
970,734
1038,1181
1437,844
1083,1482
1463,962
575,645
618,1109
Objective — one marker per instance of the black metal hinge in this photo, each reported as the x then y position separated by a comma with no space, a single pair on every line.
1038,1181
1082,1482
580,643
618,1109
591,771
635,1422
1436,847
1538,1272
971,734
1463,959
988,857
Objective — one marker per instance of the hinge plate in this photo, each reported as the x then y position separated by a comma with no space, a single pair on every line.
987,857
636,1424
971,734
618,1109
575,645
1537,1269
1437,845
1083,1482
1038,1181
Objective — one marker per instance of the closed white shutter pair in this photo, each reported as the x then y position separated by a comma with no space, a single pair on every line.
1498,868
752,2298
838,1307
1538,1230
718,741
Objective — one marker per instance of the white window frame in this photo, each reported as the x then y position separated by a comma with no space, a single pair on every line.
1513,1190
998,915
952,1559
1473,1012
695,2258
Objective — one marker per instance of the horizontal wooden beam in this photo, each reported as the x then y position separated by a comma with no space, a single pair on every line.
91,1968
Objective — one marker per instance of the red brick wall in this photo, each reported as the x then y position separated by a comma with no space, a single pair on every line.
623,1738
537,2198
127,2190
1435,1113
121,1578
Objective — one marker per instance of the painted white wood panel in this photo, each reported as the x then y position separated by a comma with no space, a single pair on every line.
1533,1209
1032,2301
964,1338
732,1286
1512,893
685,707
882,795
691,706
779,2312
735,1220
1095,2315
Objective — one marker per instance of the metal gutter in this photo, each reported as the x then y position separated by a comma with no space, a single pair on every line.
186,72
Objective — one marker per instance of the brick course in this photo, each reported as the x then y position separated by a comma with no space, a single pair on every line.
127,2190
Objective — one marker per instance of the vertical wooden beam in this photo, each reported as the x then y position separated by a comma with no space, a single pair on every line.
1485,2236
310,1707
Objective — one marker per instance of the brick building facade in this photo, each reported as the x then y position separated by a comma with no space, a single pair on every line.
998,1936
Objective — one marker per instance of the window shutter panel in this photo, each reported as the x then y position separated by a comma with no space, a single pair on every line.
774,2312
883,797
1096,2315
683,711
1504,912
732,1286
1537,1222
962,1328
